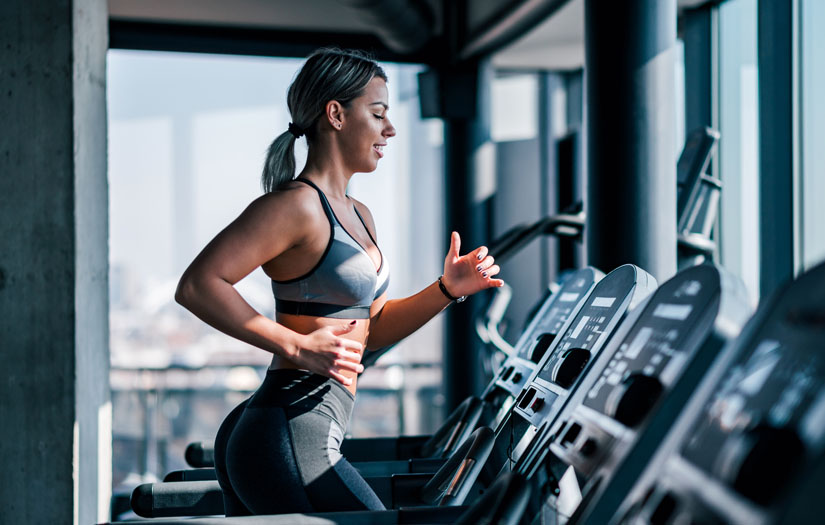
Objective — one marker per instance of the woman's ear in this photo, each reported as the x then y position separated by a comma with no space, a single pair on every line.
335,114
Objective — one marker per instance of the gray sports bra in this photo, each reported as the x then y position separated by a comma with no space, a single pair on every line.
343,284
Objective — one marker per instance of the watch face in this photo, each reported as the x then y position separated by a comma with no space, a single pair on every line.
461,299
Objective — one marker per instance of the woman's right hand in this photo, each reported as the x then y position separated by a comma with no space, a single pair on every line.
325,352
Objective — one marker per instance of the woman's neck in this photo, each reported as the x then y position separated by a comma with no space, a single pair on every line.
327,173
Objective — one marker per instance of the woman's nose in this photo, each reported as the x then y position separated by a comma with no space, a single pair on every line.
389,129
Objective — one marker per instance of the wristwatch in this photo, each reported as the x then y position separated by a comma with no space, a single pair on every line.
447,294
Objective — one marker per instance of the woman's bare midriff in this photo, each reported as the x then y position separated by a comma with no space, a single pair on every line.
305,324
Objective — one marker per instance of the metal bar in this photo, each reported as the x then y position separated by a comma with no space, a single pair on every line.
231,40
778,168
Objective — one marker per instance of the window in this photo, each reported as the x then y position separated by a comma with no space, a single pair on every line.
813,131
515,107
739,142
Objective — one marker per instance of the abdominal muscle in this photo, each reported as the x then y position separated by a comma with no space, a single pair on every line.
305,324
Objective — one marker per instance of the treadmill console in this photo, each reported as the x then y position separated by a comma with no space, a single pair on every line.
643,378
543,329
584,335
750,445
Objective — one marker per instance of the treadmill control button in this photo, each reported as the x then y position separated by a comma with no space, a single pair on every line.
631,400
526,398
572,433
572,363
764,453
537,404
517,377
588,448
664,510
542,344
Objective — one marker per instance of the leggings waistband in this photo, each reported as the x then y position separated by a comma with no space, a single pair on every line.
304,391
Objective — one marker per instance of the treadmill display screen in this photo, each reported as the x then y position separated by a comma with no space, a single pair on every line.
655,346
554,313
772,386
606,304
675,312
603,302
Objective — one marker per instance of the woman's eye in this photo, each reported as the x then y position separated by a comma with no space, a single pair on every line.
379,117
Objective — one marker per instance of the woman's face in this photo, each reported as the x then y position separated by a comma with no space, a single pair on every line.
366,128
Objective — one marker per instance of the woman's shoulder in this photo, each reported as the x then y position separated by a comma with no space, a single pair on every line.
293,206
293,197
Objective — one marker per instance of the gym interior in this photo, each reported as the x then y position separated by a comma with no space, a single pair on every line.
649,174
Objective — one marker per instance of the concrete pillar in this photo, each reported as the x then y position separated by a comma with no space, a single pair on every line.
631,119
470,182
55,436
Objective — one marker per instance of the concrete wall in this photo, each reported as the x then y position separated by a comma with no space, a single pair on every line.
54,439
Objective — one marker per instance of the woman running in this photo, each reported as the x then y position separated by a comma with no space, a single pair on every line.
279,452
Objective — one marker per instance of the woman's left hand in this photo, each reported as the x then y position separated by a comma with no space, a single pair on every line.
469,273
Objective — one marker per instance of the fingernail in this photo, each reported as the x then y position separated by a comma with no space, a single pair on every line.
479,256
478,267
484,274
352,323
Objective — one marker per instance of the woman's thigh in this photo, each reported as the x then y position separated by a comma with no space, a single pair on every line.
260,463
331,482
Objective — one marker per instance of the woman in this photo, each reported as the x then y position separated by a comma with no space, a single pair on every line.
279,451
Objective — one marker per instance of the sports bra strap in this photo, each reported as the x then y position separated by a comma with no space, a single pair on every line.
324,202
365,225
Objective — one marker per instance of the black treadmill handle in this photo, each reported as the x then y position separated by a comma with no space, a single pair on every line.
455,429
450,485
200,454
696,243
561,225
177,499
503,503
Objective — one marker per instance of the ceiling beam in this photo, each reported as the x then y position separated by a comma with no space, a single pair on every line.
235,40
512,21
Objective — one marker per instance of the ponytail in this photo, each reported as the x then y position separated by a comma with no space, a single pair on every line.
279,167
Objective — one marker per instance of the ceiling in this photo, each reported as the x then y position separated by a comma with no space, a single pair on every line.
517,34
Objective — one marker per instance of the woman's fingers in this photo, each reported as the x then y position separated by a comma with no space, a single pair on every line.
343,328
340,378
349,344
485,264
348,366
455,245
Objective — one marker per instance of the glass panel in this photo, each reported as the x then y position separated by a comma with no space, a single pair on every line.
739,142
813,131
187,137
679,95
514,107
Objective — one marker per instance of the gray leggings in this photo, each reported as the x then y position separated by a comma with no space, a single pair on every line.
279,451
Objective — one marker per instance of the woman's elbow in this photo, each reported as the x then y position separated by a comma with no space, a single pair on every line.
184,294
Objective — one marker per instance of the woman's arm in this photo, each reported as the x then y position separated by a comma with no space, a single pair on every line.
269,227
463,275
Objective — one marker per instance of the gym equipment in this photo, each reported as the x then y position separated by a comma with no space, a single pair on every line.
607,433
748,447
565,363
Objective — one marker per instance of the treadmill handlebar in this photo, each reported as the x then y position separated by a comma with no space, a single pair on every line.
448,486
561,225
